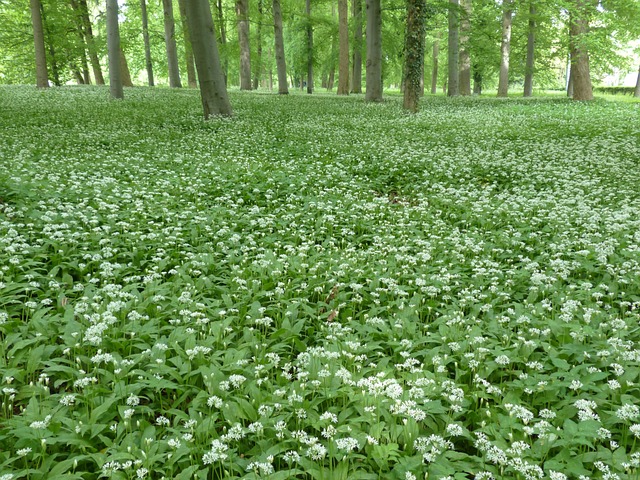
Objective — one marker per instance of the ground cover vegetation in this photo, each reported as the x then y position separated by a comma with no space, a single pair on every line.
318,288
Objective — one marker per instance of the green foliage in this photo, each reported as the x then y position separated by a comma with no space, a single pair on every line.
317,287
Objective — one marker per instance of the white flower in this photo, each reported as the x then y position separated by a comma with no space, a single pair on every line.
628,411
291,457
316,451
216,453
347,444
454,430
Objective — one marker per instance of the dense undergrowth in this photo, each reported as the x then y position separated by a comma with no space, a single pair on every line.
318,288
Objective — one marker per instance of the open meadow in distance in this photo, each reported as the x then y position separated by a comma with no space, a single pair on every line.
318,288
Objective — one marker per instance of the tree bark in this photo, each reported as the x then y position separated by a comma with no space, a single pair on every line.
223,40
356,75
91,44
477,83
453,53
281,64
124,68
580,74
332,75
188,49
84,75
414,53
343,54
242,13
434,69
257,74
147,44
505,48
55,70
636,93
113,46
374,52
309,48
170,43
42,75
213,91
464,76
531,48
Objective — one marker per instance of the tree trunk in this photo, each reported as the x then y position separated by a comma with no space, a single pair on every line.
414,53
258,64
464,76
242,13
453,53
124,69
477,83
332,76
223,41
531,48
147,44
505,48
188,49
434,69
42,76
637,91
374,52
91,44
86,79
213,91
113,46
55,70
579,26
309,48
170,43
570,84
356,75
281,65
343,54
77,74
85,68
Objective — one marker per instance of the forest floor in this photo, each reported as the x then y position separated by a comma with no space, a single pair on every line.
318,288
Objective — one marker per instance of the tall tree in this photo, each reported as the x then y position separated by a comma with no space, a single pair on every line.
453,53
531,48
505,48
637,91
464,77
42,76
414,53
213,91
374,51
223,39
188,50
113,47
258,64
356,83
85,77
281,64
147,44
242,14
343,54
170,43
50,41
91,43
309,28
579,27
434,68
124,69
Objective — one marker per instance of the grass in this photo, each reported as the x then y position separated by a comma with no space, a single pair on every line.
318,288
